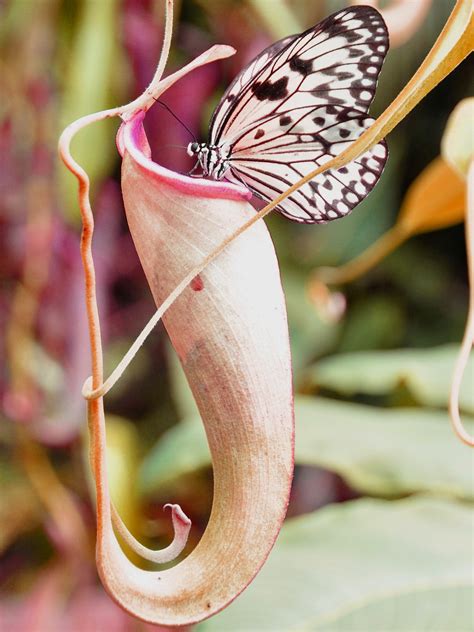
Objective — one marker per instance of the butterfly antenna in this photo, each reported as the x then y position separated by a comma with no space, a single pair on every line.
176,117
169,146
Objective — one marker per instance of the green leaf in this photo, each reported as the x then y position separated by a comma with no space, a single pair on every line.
382,452
310,336
181,451
425,372
367,565
277,18
373,322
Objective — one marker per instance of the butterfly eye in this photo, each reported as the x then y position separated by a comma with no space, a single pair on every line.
193,148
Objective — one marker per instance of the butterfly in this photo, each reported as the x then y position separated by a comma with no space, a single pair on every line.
299,103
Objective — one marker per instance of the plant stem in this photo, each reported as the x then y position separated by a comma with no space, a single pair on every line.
357,267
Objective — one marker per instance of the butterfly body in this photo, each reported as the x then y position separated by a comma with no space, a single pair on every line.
299,103
213,159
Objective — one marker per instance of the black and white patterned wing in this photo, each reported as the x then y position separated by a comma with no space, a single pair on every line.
337,62
299,105
283,149
245,77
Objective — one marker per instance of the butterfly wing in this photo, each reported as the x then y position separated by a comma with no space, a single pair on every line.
304,102
271,159
242,80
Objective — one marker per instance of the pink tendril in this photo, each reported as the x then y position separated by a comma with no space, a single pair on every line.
468,339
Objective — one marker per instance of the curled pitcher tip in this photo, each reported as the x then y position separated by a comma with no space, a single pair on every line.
177,514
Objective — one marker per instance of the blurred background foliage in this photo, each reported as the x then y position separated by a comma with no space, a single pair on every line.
378,529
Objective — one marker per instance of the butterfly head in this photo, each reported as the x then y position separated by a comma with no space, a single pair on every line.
194,148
